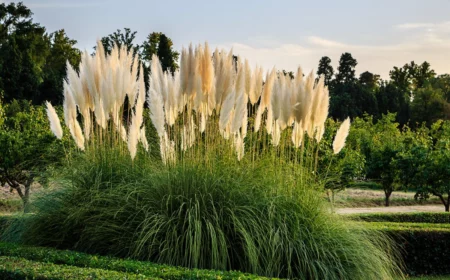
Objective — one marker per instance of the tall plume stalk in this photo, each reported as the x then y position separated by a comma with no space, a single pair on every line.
215,105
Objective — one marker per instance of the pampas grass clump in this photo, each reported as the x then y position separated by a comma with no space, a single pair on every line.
235,182
226,219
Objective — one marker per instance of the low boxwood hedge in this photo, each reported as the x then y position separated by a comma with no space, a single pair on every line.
427,217
20,268
49,255
424,246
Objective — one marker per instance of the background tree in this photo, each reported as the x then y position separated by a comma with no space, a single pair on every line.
62,49
393,99
32,62
428,105
325,69
119,38
161,45
346,69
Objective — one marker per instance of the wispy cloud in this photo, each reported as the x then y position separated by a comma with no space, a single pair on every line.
416,25
424,41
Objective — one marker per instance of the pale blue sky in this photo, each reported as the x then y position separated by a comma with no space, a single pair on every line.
379,34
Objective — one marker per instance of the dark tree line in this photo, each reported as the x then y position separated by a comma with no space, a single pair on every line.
33,66
33,61
414,92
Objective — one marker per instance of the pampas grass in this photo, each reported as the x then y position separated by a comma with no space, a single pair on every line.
233,185
341,136
55,125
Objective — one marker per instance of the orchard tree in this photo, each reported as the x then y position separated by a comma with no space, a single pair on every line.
27,147
425,163
383,151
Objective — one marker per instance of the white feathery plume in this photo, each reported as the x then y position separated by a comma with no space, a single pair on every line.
157,77
245,119
140,100
276,134
167,149
267,89
55,124
156,106
207,72
275,98
123,133
225,73
79,138
133,136
299,77
322,114
249,78
308,100
203,121
192,77
258,117
257,81
240,101
87,122
317,98
226,110
297,134
341,136
239,146
184,71
286,102
70,117
269,121
143,139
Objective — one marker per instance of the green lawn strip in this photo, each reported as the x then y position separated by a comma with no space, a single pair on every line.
421,217
391,226
20,268
72,258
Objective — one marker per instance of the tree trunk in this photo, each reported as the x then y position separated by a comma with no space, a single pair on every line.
387,195
26,197
446,204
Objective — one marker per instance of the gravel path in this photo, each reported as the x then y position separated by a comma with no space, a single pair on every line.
392,209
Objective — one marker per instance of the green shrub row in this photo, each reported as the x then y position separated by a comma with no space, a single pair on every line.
438,218
424,246
76,259
20,268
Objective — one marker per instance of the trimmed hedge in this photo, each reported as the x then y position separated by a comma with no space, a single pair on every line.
148,269
19,268
424,246
426,217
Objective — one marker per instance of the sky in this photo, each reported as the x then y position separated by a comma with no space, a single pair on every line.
285,34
